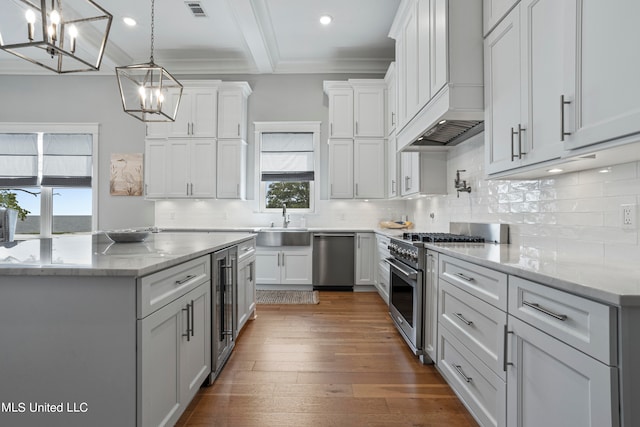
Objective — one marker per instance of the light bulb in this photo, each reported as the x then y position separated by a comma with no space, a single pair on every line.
30,16
55,17
326,19
73,33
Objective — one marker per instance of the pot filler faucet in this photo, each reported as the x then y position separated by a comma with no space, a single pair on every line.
285,217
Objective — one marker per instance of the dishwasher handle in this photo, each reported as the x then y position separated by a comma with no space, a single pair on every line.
332,235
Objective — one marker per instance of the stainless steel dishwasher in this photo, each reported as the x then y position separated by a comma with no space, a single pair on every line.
333,261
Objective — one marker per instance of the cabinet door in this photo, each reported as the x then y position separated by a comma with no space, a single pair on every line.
341,168
605,88
430,328
195,355
369,106
267,266
204,113
392,101
409,82
159,394
552,384
341,113
231,114
181,127
241,295
155,168
392,168
369,168
424,51
231,169
365,258
410,173
502,94
543,27
203,174
177,168
296,267
439,45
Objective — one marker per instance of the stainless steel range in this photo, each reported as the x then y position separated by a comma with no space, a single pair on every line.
409,279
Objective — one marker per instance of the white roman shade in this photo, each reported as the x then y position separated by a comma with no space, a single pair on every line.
67,160
287,157
18,159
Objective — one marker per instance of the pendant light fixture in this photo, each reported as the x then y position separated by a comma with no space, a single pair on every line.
63,36
149,92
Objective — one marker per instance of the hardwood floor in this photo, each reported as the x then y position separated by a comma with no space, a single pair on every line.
337,363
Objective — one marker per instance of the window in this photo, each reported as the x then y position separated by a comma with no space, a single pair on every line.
288,161
51,169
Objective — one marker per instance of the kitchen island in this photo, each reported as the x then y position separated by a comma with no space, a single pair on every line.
77,318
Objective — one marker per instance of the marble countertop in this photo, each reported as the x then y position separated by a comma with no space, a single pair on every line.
97,255
610,283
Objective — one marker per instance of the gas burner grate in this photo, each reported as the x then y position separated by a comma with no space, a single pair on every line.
441,238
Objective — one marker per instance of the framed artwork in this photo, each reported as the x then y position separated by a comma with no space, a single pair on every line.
126,177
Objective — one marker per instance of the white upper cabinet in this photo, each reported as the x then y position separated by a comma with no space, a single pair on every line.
231,169
341,168
369,110
369,168
356,108
392,168
523,86
604,88
341,111
188,168
392,104
196,114
232,110
494,11
155,154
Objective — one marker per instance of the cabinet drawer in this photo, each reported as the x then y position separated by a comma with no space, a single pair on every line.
478,325
482,391
586,325
486,284
247,250
159,289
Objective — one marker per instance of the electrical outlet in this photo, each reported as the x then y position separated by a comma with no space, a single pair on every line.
629,216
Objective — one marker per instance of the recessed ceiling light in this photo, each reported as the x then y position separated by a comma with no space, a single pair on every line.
605,170
129,21
556,170
326,19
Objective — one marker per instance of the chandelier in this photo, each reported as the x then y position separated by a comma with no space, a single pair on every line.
63,36
149,92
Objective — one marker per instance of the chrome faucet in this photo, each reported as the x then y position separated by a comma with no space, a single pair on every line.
285,217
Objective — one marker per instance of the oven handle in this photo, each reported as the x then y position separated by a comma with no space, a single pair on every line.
409,274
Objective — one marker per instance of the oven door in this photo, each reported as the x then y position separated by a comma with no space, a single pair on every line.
405,302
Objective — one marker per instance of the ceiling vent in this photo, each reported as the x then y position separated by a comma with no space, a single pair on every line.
196,9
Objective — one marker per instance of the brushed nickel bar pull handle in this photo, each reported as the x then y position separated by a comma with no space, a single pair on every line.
461,317
520,130
192,319
356,189
283,259
505,353
188,324
192,188
462,374
331,129
513,156
238,129
356,127
185,280
393,186
543,310
463,277
393,119
562,104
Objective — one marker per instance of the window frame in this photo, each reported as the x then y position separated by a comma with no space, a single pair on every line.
286,127
46,196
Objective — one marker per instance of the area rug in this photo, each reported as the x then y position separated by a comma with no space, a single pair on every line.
287,297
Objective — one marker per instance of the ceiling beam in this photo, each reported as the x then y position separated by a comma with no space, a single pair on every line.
250,26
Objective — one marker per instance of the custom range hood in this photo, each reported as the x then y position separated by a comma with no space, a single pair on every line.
440,83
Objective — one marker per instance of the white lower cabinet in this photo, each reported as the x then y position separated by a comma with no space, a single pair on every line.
365,257
550,383
175,356
246,292
383,273
287,265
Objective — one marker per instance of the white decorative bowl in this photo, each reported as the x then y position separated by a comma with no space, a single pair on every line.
127,236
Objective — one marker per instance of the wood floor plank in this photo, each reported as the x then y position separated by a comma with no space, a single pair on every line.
337,363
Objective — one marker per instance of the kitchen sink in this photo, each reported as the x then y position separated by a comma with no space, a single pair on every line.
280,236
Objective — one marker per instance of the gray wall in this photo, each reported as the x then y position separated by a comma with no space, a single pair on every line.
94,99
